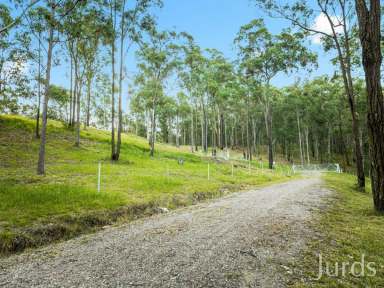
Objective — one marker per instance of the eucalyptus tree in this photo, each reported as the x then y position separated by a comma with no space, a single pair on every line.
84,32
14,81
80,30
235,109
71,32
191,76
132,21
157,60
52,24
285,119
102,100
182,110
113,6
139,110
57,11
166,115
5,45
245,86
93,35
314,117
369,19
36,26
206,78
340,36
263,56
304,103
7,25
218,74
317,96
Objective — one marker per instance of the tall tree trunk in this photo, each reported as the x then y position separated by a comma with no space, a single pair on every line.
307,144
196,132
37,130
358,151
329,150
205,130
136,126
88,100
249,149
78,96
225,134
213,140
148,126
177,131
168,136
352,103
317,147
153,131
343,144
70,92
74,93
202,132
41,161
300,139
222,132
120,126
345,67
184,135
370,37
235,138
113,145
254,137
268,125
192,132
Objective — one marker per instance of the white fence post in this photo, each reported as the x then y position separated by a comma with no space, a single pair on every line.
98,177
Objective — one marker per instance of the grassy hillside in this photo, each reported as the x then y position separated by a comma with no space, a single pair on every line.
38,209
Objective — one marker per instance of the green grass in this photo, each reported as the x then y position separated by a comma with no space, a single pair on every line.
69,188
350,229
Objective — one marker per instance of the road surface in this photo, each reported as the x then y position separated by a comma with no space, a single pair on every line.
246,239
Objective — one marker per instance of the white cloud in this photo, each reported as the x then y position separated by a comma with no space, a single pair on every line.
322,24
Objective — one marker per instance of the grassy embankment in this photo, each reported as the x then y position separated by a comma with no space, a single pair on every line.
35,210
349,229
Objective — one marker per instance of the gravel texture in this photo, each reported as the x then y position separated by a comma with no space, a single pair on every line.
247,239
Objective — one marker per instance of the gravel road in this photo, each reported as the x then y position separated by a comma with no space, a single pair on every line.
247,239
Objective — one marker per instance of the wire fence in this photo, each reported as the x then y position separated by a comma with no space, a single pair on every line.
128,177
326,167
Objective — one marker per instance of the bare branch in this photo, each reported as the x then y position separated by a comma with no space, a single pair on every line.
295,22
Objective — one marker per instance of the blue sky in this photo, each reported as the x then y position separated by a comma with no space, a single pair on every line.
214,24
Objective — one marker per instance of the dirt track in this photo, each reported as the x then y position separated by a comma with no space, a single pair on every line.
247,239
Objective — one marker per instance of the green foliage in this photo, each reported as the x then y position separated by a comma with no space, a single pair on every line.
59,99
264,55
